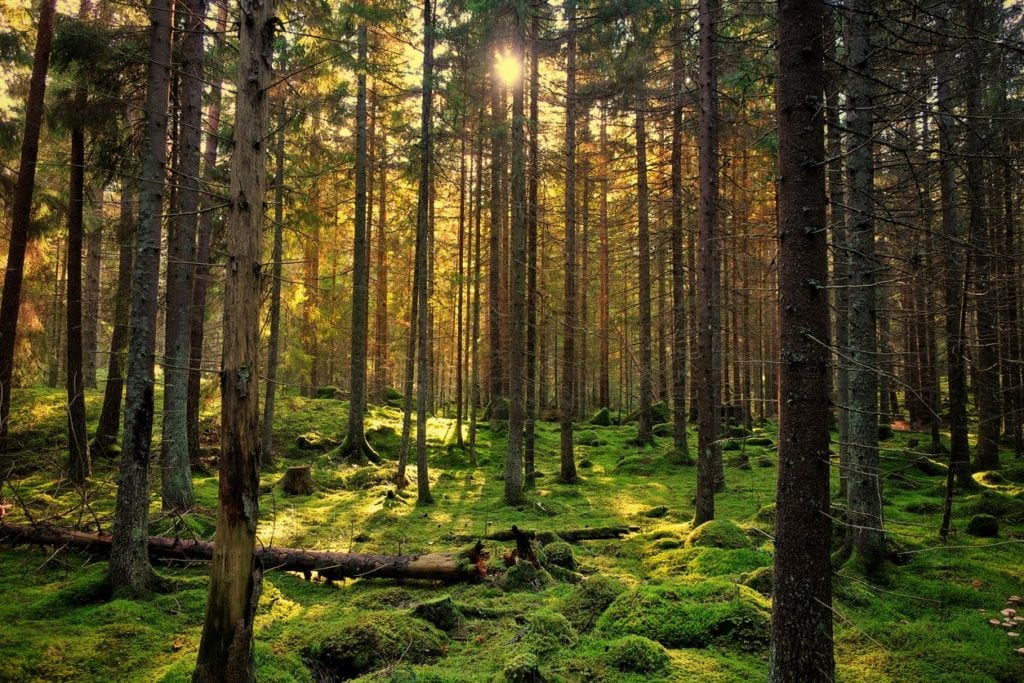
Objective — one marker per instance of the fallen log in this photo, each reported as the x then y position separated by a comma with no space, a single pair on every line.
600,533
467,565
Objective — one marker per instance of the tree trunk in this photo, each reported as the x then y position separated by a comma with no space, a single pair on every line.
381,363
566,405
865,522
175,472
644,426
801,643
129,569
604,334
355,445
79,466
110,414
532,209
274,343
709,456
201,279
461,279
21,211
91,301
474,381
679,440
494,303
225,651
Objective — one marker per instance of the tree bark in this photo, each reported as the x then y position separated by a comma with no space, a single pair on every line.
79,465
381,364
532,209
604,334
21,211
679,440
176,473
566,404
225,651
801,644
709,455
277,255
91,301
129,570
494,303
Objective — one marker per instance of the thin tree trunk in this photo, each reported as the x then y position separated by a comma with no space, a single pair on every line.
494,303
566,405
79,465
709,455
604,391
474,381
175,473
381,366
21,211
201,278
460,303
129,570
644,426
274,343
225,651
679,440
532,209
801,643
91,302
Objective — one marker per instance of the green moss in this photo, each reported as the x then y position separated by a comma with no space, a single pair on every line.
560,554
368,477
720,533
441,612
602,418
384,439
523,576
314,441
637,654
547,631
656,512
370,642
522,667
679,458
766,515
989,502
589,600
761,579
694,614
983,526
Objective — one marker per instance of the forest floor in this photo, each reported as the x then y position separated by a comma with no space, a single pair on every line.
927,620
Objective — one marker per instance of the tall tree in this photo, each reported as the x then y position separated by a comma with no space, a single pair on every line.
21,211
532,209
175,471
709,455
566,403
129,568
679,440
225,651
801,644
645,435
277,255
863,476
355,445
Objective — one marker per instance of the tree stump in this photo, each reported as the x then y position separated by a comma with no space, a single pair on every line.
297,481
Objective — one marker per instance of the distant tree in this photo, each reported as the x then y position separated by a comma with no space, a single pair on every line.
566,401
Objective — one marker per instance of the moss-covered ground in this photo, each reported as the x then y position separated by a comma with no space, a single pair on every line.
666,603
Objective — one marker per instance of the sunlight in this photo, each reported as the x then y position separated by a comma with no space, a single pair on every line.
507,66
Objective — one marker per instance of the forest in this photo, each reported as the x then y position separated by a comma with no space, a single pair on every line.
512,340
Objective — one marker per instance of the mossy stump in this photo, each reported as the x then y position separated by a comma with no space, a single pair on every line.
297,481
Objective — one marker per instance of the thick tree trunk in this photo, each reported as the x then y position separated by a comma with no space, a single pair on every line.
801,644
709,455
129,569
225,651
865,522
679,440
175,472
566,405
201,279
110,414
355,445
79,466
21,211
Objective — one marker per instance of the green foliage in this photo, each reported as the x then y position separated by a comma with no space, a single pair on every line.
589,600
720,533
637,654
692,614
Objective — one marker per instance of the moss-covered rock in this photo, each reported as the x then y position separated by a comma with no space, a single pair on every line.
983,526
374,639
385,440
738,462
692,614
923,507
602,418
991,478
586,463
679,458
314,441
441,612
589,600
997,504
561,555
393,397
707,561
547,631
636,464
718,533
588,439
656,512
328,392
523,576
766,515
761,579
730,445
637,654
762,441
367,477
522,667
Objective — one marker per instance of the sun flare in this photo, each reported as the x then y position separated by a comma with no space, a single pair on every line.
507,67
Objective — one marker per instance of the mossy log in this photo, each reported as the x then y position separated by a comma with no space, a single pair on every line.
600,533
467,565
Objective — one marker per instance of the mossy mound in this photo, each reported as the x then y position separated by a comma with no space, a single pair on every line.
761,579
393,397
497,410
664,430
766,515
561,555
708,561
391,596
659,414
991,478
367,477
314,441
765,461
523,576
328,392
730,445
738,462
588,439
996,504
679,458
718,533
697,614
592,597
586,463
656,512
983,526
923,507
637,654
385,440
548,631
373,640
762,441
521,667
642,465
602,418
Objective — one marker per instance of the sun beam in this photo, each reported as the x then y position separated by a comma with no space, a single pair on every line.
507,67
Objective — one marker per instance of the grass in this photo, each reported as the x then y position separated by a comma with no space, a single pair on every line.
925,622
